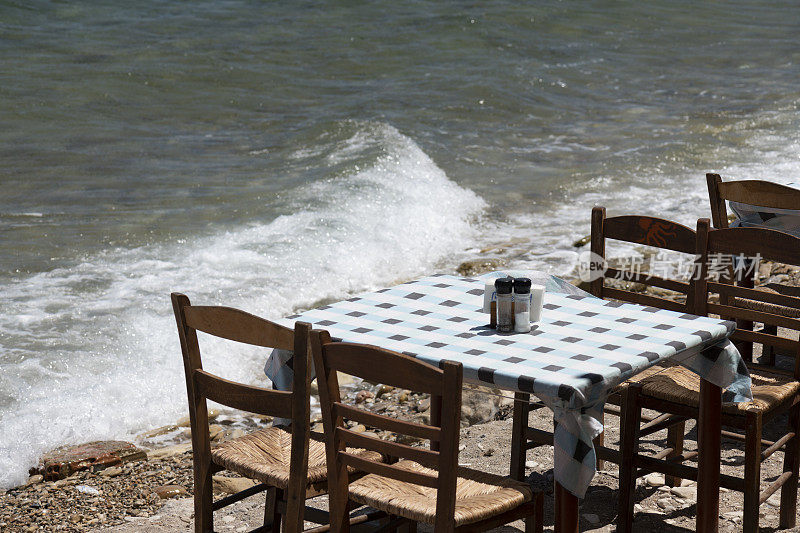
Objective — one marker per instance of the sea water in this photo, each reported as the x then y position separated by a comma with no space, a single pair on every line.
277,156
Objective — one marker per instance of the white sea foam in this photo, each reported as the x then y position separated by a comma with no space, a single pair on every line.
90,351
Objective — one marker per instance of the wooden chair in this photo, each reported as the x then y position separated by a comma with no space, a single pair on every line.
425,485
775,391
758,193
647,231
289,466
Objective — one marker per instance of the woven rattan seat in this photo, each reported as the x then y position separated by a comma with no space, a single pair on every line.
479,495
264,455
680,385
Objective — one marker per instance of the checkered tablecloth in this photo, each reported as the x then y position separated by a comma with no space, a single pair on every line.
571,359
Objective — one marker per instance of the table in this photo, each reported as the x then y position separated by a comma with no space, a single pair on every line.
581,349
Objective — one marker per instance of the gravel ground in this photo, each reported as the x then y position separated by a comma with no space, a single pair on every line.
125,502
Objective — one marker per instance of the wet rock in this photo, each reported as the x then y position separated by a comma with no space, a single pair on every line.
163,430
166,492
170,451
38,478
382,390
582,241
479,266
97,455
231,485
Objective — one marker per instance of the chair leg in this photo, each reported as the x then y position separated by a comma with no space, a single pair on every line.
600,440
203,499
535,523
752,470
628,449
276,518
791,463
519,440
675,436
270,506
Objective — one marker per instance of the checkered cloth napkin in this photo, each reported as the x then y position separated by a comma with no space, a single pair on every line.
581,349
753,216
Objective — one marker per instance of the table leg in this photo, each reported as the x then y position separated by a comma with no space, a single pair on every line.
708,443
566,510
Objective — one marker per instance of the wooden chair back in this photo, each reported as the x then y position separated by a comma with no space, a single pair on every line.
753,192
391,368
239,326
741,243
647,231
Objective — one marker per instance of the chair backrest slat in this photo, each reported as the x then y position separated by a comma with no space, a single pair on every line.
647,231
392,472
769,244
404,427
390,449
236,325
763,338
743,313
243,397
643,299
650,231
746,292
649,279
382,366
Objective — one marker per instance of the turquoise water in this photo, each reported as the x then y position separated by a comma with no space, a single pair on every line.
272,156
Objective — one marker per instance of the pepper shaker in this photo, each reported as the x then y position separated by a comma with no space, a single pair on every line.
503,288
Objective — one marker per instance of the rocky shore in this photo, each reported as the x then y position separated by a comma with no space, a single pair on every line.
148,487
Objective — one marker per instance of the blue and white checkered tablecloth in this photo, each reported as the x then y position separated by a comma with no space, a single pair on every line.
581,349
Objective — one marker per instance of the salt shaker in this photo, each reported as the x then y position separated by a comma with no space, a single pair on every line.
522,305
503,288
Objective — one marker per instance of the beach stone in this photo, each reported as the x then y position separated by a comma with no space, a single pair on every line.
479,266
687,493
592,518
33,480
481,404
582,241
383,389
111,471
170,451
531,464
163,430
236,434
774,500
166,492
359,428
733,516
655,479
665,503
231,485
363,395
